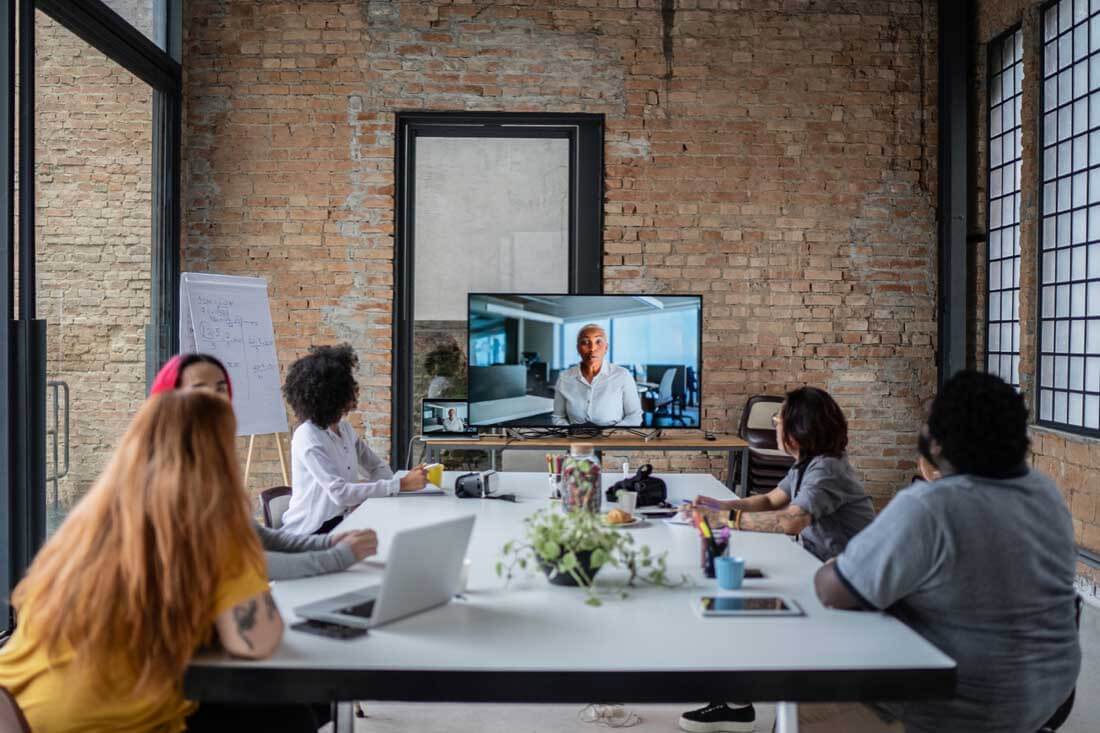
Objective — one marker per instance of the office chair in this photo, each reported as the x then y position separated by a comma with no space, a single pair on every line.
11,716
275,502
768,464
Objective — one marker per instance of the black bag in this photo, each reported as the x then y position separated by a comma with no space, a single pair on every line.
651,490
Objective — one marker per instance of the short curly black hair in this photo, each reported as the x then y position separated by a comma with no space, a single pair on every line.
980,423
321,386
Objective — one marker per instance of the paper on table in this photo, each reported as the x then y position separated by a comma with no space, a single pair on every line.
426,491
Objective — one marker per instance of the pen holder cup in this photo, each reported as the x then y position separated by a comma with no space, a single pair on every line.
710,549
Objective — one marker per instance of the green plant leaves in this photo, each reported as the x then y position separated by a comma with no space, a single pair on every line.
555,539
568,562
548,550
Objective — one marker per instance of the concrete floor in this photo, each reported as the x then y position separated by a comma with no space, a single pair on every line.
400,718
1086,710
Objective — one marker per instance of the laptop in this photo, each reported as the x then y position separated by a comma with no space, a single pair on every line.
424,570
445,419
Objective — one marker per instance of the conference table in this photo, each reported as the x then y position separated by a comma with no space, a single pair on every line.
530,642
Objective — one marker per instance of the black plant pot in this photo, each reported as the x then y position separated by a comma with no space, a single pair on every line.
584,559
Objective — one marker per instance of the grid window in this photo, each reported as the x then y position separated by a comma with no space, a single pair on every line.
1069,268
1006,71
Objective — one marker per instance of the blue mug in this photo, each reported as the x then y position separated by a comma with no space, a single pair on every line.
730,572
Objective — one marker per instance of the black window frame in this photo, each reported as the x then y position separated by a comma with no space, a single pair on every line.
22,372
1042,112
998,43
586,195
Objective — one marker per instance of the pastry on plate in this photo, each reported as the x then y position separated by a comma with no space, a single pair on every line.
618,516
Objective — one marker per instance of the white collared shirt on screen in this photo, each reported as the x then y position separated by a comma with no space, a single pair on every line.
332,474
610,399
454,426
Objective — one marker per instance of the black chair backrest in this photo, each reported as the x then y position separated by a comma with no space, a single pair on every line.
758,437
12,719
269,497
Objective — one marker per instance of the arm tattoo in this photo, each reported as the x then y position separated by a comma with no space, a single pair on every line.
272,609
761,522
246,619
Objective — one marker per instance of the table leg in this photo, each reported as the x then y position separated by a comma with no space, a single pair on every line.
786,717
744,488
343,720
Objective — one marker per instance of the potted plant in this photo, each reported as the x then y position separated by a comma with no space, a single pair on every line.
572,548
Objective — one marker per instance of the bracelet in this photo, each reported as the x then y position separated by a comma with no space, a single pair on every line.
737,524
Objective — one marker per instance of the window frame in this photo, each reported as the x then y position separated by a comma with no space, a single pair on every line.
586,192
1037,314
998,42
22,372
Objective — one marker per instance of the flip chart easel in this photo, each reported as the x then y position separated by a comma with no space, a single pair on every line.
282,457
229,317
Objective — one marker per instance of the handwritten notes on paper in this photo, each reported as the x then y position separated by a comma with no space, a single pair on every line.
229,317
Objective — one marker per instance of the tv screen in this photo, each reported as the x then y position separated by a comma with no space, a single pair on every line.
584,360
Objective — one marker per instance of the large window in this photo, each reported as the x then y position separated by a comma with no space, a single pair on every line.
94,307
1006,69
1069,269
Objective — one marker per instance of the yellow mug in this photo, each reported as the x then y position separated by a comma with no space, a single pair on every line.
435,474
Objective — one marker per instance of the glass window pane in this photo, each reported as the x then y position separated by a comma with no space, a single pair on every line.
1092,412
1073,414
1061,372
1092,374
140,14
93,170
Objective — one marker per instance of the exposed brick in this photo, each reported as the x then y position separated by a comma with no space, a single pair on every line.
785,170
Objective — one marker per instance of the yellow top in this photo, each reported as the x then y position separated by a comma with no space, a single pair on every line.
55,700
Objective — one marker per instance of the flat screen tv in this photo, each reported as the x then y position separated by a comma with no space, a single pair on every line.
629,361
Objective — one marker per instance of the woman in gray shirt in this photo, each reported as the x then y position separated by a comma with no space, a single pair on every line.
820,499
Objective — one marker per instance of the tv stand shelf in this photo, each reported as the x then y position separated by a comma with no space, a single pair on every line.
494,444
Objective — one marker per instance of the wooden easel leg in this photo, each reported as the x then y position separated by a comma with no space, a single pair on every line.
282,458
248,459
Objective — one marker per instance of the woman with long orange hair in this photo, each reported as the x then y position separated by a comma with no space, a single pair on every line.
157,560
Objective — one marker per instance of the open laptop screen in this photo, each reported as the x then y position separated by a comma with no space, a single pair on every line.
445,419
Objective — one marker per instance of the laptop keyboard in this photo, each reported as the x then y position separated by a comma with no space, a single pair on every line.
360,609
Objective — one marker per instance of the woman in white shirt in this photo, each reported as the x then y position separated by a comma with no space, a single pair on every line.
333,470
596,391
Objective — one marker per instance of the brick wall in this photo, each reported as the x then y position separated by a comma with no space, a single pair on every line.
93,142
776,157
1073,461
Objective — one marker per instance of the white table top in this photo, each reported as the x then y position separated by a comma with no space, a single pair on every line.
533,627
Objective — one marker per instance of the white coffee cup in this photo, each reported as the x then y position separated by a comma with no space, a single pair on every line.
628,500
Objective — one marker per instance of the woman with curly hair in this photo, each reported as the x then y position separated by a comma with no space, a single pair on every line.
288,555
333,470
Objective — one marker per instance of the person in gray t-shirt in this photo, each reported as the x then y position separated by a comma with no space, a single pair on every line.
827,489
980,562
820,499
